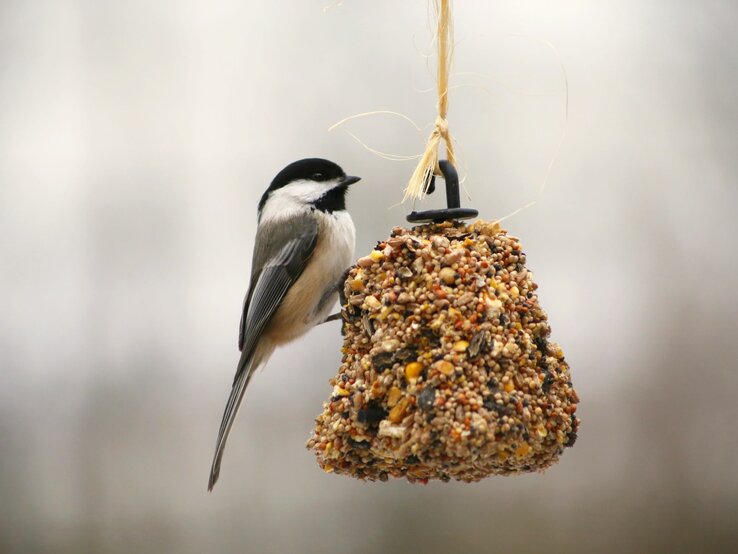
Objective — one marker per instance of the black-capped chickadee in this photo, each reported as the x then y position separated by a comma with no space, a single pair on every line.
304,243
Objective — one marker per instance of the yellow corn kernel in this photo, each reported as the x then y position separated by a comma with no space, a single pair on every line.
376,255
413,370
338,391
356,285
509,386
522,450
385,313
461,346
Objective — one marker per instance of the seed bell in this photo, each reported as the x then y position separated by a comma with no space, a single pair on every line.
448,371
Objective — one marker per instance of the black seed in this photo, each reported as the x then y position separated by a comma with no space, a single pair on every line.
571,439
345,415
548,380
504,410
541,344
503,320
371,415
383,361
493,406
431,336
358,444
427,398
412,459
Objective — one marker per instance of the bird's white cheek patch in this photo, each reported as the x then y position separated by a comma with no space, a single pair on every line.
294,199
281,207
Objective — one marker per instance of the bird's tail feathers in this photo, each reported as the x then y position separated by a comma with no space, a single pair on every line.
248,363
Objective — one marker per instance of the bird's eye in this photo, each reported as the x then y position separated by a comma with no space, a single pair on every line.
317,177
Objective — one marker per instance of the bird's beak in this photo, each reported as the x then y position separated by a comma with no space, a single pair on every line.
349,180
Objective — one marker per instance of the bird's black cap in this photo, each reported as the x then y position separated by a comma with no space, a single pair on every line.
314,169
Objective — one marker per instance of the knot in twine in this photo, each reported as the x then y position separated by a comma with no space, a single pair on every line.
442,128
428,164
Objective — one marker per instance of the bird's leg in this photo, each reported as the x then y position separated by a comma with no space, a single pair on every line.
332,317
341,297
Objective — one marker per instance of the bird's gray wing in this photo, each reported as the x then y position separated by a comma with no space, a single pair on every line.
280,255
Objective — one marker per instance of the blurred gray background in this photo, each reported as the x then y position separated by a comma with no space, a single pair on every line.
136,138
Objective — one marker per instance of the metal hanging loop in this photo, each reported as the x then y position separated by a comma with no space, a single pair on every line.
453,200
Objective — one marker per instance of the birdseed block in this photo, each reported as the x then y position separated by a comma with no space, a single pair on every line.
447,369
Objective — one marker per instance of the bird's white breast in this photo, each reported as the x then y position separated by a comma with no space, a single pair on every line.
340,236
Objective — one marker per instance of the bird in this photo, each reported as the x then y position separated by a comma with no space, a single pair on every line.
305,241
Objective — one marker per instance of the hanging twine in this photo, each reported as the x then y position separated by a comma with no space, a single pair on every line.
428,165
